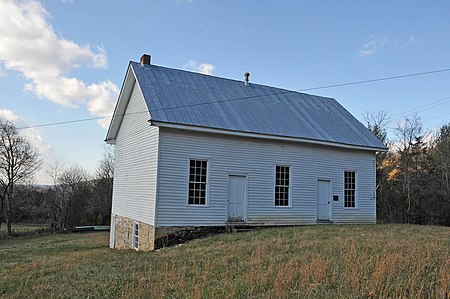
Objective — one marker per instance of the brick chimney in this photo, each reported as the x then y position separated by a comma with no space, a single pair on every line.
146,59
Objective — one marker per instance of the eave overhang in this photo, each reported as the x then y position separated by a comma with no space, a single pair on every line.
265,136
121,105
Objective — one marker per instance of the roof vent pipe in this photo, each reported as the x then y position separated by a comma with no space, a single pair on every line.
246,75
145,59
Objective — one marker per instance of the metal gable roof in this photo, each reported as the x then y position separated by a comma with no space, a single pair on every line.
188,98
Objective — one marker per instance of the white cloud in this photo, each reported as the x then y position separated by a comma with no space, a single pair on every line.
373,45
29,45
67,1
413,40
101,103
31,134
9,115
376,44
195,66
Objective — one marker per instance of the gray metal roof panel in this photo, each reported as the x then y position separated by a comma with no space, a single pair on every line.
188,98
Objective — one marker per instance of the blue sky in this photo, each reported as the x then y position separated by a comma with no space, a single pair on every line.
65,60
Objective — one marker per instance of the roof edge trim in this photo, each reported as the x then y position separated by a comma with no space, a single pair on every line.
263,136
110,141
119,110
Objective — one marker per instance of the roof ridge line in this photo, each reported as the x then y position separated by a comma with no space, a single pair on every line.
282,89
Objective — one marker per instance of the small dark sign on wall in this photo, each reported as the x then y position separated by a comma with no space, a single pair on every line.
335,197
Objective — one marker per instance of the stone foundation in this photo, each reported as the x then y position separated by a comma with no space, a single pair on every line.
151,238
146,237
123,238
173,235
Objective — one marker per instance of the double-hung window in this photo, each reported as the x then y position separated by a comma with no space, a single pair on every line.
349,189
135,235
282,185
197,181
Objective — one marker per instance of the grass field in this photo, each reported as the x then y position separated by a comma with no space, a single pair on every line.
22,229
373,261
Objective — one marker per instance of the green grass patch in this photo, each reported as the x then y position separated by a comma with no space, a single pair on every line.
23,229
348,261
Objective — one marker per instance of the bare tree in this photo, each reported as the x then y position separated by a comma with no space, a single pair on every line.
377,122
55,204
18,161
71,181
411,137
105,167
103,188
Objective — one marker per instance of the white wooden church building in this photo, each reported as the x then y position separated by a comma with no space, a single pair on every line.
195,151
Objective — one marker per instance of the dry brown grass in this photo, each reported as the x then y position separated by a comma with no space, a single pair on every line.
383,261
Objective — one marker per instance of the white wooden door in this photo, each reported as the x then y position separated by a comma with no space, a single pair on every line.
237,193
323,199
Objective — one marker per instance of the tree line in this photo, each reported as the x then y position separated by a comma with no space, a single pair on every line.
74,197
413,177
413,180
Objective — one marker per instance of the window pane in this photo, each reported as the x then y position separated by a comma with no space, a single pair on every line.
282,185
135,235
349,189
197,182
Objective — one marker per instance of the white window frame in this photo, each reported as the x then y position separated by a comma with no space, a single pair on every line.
135,239
208,165
112,234
356,189
289,205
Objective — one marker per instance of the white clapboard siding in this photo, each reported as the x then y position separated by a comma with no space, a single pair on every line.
256,159
136,159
